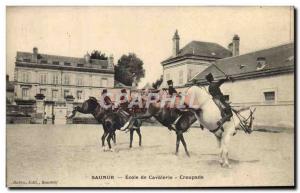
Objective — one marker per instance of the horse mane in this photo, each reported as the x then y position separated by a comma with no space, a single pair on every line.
240,109
93,99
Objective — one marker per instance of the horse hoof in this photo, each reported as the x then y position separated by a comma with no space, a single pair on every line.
176,153
188,154
104,148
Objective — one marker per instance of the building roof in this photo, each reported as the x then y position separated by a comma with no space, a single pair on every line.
277,60
46,59
201,49
118,84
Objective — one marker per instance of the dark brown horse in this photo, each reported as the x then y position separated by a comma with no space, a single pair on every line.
110,120
168,117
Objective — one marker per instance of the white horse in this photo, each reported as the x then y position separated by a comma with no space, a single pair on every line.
209,114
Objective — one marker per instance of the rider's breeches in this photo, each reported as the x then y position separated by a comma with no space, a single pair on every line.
223,106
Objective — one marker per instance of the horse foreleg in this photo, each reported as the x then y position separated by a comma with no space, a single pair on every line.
108,140
103,139
140,136
177,143
184,145
114,138
131,138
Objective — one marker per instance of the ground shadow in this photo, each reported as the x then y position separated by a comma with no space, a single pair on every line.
231,161
136,148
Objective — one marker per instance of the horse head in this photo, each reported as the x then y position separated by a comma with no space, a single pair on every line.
246,117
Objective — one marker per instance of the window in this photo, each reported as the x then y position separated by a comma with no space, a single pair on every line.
180,77
79,81
55,79
43,78
104,82
43,91
66,93
25,92
79,65
226,97
55,62
54,94
26,60
104,66
190,74
67,79
44,61
67,63
167,77
79,94
269,96
25,77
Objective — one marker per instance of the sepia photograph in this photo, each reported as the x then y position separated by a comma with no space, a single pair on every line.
150,96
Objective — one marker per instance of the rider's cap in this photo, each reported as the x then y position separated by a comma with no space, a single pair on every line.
170,82
209,77
104,91
123,90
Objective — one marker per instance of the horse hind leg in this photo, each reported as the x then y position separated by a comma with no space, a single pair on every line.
184,145
140,136
131,138
219,146
108,141
224,148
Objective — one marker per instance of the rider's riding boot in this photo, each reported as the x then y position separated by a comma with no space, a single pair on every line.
201,126
224,119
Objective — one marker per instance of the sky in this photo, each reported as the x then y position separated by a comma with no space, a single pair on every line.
146,31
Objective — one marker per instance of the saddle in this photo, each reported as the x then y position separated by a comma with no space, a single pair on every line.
177,103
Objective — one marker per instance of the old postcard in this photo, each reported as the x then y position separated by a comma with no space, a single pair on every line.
150,96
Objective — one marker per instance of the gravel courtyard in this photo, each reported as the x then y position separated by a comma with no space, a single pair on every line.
71,155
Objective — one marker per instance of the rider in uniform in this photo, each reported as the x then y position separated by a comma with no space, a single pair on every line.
171,89
106,99
218,97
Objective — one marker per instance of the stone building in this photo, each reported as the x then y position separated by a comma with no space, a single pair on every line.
58,77
263,79
10,91
193,58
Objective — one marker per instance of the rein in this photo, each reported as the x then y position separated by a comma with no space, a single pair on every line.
243,121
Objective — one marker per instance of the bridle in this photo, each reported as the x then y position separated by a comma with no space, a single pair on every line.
244,122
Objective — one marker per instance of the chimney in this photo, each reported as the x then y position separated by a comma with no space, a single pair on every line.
236,45
176,44
229,47
35,51
87,57
111,60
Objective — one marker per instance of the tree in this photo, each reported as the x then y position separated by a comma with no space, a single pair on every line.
158,82
127,67
98,55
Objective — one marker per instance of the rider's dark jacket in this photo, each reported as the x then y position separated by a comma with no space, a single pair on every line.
172,90
214,89
107,100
